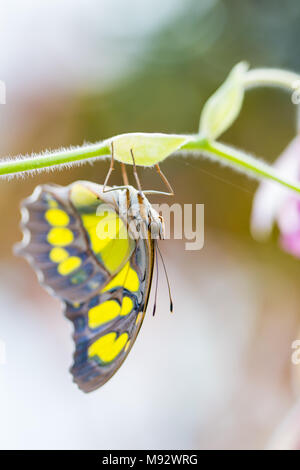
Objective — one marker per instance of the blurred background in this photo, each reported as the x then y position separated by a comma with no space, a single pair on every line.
217,373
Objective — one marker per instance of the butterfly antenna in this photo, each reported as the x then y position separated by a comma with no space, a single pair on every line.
156,284
165,269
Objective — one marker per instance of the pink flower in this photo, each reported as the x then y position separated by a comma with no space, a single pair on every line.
272,203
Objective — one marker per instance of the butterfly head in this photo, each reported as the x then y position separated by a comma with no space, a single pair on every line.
134,206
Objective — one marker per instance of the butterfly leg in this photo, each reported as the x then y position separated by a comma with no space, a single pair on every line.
111,168
163,177
136,176
124,174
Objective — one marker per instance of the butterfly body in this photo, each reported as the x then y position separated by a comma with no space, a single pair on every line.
93,250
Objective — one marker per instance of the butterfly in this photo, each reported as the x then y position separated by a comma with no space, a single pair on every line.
94,250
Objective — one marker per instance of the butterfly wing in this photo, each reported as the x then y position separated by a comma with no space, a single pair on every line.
106,326
104,280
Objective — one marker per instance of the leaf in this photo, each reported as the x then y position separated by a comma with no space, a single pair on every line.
224,106
147,149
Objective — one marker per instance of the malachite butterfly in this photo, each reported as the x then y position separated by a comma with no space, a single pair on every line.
93,250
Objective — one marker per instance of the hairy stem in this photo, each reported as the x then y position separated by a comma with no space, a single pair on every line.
242,162
56,158
272,77
225,154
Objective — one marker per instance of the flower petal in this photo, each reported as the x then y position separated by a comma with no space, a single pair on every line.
270,197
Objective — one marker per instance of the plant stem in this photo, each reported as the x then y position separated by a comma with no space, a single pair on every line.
92,151
241,161
290,81
272,77
216,151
